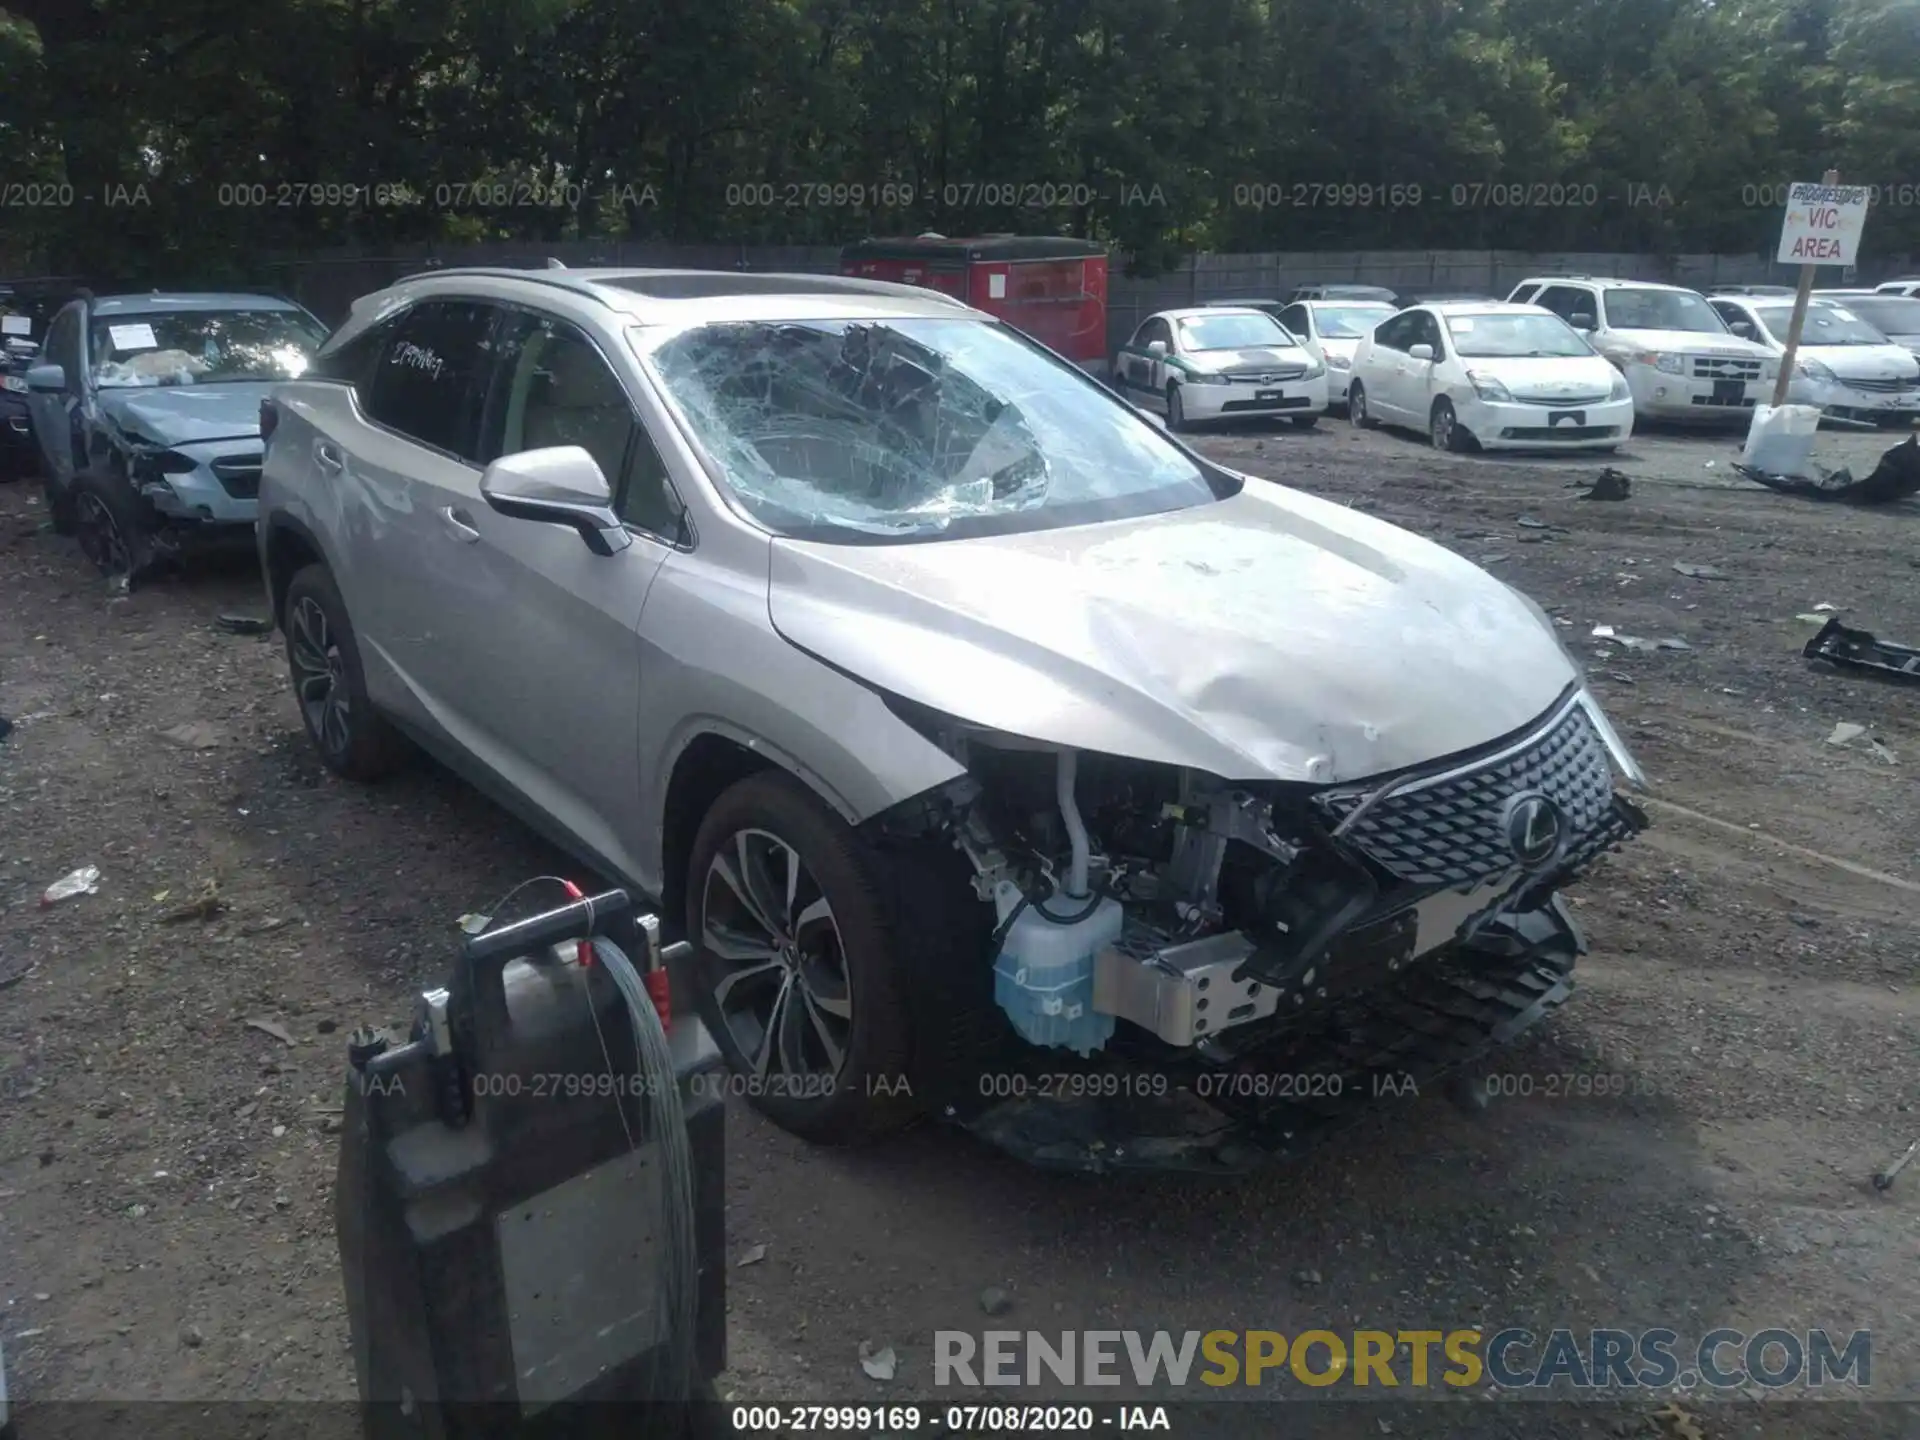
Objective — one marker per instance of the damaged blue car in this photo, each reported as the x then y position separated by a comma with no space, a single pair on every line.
146,409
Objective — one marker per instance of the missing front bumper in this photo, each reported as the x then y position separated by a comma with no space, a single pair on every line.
1402,1040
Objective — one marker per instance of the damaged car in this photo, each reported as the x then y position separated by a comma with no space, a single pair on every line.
1000,756
147,413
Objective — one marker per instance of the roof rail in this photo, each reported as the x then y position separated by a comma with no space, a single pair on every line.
556,275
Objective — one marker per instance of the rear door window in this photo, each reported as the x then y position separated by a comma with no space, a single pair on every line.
427,382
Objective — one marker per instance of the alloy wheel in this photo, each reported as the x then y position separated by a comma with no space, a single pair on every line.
782,985
319,676
100,537
1357,407
1443,423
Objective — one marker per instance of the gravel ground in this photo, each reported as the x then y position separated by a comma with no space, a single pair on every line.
165,1169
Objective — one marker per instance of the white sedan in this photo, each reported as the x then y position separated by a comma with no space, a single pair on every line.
1490,374
1215,363
1845,365
1333,329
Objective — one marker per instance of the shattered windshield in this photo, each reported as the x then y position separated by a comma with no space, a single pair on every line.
1253,329
1661,310
201,347
913,428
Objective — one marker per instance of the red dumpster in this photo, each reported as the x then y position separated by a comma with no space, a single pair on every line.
1051,287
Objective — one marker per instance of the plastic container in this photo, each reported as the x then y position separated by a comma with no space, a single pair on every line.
1043,975
1780,441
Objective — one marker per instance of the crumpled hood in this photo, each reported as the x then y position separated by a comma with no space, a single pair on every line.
1213,362
1863,362
1269,636
183,414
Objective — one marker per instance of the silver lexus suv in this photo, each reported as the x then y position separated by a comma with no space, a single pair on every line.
997,752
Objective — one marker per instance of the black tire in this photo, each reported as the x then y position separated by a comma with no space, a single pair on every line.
1304,422
851,954
113,524
59,503
1357,413
1445,430
1176,410
354,740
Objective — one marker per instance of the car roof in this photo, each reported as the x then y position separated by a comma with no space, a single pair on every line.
1479,307
1349,300
1207,312
1609,282
158,301
1240,304
669,297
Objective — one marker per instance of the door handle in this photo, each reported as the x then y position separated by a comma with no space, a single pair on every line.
459,525
327,456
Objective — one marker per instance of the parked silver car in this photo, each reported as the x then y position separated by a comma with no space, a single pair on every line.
975,728
147,413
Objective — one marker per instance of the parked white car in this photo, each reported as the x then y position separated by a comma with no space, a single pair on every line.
1677,354
1333,330
1489,374
1214,363
1908,286
1845,365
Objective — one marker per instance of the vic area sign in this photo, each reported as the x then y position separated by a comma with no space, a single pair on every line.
1823,224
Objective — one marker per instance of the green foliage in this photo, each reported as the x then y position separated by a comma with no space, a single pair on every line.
200,136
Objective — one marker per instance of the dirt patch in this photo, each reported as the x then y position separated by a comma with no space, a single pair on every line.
1746,1020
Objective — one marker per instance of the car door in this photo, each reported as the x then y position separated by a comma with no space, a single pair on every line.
1145,375
407,456
1741,320
1299,321
1386,376
1423,376
539,637
55,416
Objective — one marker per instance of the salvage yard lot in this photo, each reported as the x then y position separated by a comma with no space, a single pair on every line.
165,1169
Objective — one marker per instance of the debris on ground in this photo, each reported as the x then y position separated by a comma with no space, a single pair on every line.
273,1028
1700,572
204,906
6,727
1612,484
84,881
194,735
475,924
244,625
1884,1180
1845,732
752,1255
995,1301
1851,649
1896,477
1637,642
1676,1424
879,1364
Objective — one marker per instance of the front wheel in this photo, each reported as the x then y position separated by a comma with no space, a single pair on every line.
59,503
1445,429
1176,409
1357,413
799,963
354,740
113,525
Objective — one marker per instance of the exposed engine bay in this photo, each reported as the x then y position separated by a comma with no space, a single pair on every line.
1215,917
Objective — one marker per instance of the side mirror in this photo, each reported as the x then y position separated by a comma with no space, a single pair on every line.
1744,330
1422,351
563,485
46,380
1156,348
1582,321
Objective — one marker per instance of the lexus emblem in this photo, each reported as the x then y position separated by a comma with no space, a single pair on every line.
1535,829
